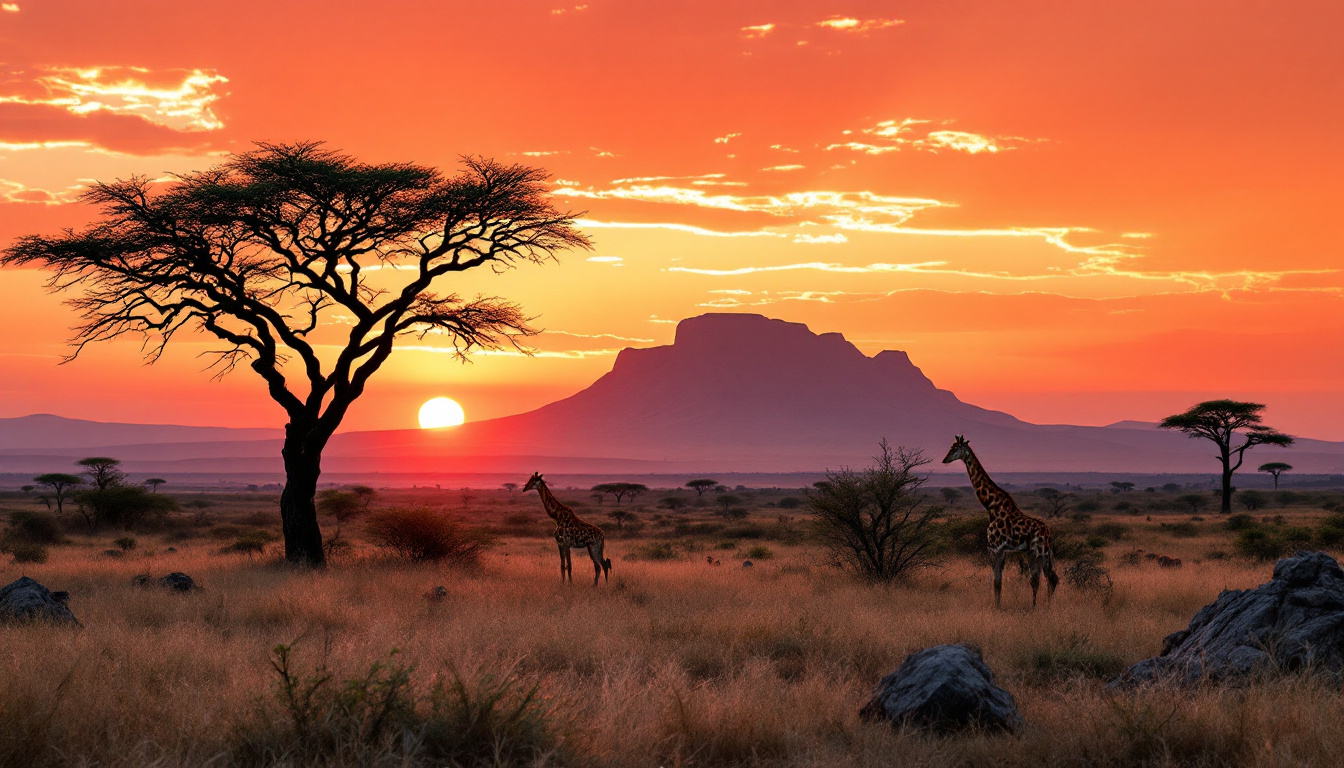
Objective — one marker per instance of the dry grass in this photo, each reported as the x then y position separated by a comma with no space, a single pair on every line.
672,663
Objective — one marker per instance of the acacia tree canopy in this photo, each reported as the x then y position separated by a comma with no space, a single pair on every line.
1220,421
293,250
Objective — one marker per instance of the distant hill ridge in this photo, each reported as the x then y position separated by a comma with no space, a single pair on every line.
733,392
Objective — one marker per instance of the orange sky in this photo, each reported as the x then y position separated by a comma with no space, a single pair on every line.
1077,212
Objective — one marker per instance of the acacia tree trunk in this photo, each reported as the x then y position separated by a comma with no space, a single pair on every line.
1227,481
298,510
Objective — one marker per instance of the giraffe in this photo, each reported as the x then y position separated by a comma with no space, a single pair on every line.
1010,531
570,531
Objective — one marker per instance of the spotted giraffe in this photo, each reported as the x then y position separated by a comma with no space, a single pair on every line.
570,531
1010,531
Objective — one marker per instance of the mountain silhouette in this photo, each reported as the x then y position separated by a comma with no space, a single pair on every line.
732,393
750,393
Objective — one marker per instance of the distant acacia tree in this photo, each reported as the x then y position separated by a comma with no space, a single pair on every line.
103,471
510,487
1121,486
1056,503
273,247
1220,421
1275,468
61,484
619,516
154,483
621,490
673,503
701,485
950,495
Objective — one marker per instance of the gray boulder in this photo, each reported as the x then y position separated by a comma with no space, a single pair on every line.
944,688
26,600
1293,622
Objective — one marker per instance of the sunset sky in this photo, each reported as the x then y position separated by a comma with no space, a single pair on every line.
1072,211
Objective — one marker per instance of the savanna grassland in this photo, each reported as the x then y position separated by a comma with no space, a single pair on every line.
674,662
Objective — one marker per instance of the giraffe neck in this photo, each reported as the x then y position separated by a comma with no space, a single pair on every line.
991,496
553,506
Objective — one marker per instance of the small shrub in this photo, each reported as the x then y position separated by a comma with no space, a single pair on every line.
420,533
1096,542
490,721
1240,522
251,543
1089,577
1329,536
657,550
726,545
790,502
1180,530
1297,536
1077,658
1087,505
33,527
964,535
1260,544
1216,554
874,522
759,552
27,552
1112,531
125,543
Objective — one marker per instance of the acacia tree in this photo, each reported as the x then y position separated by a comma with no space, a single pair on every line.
1275,468
874,521
701,485
61,484
103,471
1220,421
291,251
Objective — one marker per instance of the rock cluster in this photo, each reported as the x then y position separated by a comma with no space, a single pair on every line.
1293,622
26,600
944,688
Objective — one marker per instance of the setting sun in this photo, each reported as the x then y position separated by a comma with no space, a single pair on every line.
441,412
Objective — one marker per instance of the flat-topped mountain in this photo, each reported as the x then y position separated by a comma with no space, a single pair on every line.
750,393
733,392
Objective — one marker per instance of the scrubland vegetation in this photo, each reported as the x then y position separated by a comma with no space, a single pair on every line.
676,661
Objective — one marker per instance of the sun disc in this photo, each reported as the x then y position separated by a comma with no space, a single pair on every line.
441,412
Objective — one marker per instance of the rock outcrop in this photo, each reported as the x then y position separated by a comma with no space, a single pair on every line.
944,688
26,600
1293,622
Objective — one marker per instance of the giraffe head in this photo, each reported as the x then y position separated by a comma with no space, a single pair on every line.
533,481
960,450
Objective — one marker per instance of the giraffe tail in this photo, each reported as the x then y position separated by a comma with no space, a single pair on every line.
1051,577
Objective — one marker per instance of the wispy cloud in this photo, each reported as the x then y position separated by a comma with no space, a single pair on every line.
179,99
793,167
615,261
894,135
596,224
9,7
726,138
15,192
757,30
834,239
847,24
959,141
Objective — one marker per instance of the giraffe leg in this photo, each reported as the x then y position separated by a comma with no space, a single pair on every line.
1051,578
564,555
595,553
998,578
600,563
1035,577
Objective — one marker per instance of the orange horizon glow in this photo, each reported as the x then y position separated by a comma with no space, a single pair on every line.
1077,214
